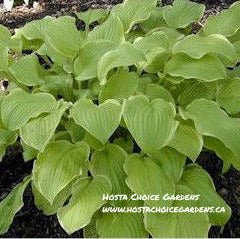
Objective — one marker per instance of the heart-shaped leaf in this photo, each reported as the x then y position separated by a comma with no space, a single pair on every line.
151,123
100,121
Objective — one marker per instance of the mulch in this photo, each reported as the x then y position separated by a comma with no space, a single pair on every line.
30,222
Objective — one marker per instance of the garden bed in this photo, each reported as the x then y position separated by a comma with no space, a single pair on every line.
30,222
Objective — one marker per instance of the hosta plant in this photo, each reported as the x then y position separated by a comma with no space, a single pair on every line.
122,106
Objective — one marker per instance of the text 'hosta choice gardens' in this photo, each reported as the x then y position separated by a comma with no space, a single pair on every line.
118,109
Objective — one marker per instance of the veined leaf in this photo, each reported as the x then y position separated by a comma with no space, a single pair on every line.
10,205
226,23
183,13
211,120
187,141
199,181
228,96
125,55
176,225
119,86
196,47
57,166
151,124
85,66
208,68
20,70
39,131
92,15
133,11
109,162
19,107
122,225
145,183
85,201
110,30
100,121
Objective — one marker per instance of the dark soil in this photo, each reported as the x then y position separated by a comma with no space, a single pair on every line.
30,222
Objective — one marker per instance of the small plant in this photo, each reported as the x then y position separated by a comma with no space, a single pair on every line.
117,109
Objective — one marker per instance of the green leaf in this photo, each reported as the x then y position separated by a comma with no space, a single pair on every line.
110,30
126,144
183,13
197,46
208,68
92,15
199,181
187,141
228,96
140,181
20,70
19,107
85,66
154,91
56,167
125,55
146,119
226,23
63,36
39,131
133,11
171,161
222,151
11,204
85,201
6,138
109,162
122,225
177,225
119,86
192,90
77,133
211,120
100,121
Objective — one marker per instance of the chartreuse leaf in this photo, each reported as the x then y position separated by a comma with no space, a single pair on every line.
187,141
11,204
6,138
56,167
154,91
110,30
196,90
29,153
63,36
85,201
119,86
125,55
197,46
93,15
228,96
5,37
177,225
199,181
127,144
182,13
131,12
20,70
19,107
77,132
85,66
171,161
157,115
211,120
100,121
222,151
109,162
38,132
142,182
208,68
122,225
226,23
155,40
